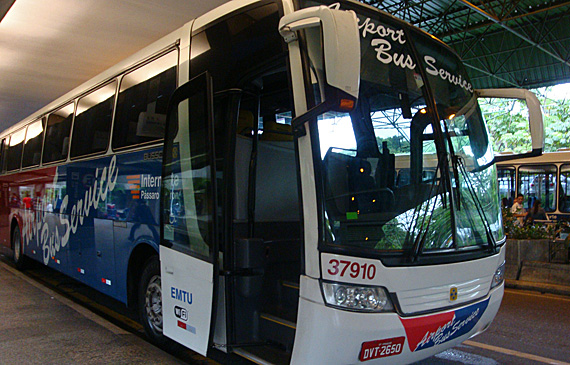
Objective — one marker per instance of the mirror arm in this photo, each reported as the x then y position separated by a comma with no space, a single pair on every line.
533,153
298,123
340,40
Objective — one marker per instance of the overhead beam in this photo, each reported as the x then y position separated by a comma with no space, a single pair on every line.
504,20
492,75
497,21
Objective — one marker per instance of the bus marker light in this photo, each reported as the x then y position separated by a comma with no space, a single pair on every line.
499,276
346,104
106,281
381,348
81,271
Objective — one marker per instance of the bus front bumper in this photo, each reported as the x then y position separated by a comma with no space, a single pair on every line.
332,336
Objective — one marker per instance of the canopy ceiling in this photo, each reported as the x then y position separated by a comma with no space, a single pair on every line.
49,47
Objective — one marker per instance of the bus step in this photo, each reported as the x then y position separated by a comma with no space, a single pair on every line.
266,355
277,330
289,294
290,285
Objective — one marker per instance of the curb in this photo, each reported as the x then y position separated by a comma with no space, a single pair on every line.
540,287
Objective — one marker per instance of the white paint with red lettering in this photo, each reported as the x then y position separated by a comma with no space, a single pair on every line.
349,269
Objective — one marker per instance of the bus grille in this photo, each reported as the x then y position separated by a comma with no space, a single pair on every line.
437,297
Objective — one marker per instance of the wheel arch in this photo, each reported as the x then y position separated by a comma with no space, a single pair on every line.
139,256
14,223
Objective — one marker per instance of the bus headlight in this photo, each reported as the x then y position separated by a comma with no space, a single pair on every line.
357,297
499,276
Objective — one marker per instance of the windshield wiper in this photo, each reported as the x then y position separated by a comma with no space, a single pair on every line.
420,239
471,189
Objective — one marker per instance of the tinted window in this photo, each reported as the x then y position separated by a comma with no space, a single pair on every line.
188,187
92,126
143,100
33,144
237,47
58,127
15,147
2,155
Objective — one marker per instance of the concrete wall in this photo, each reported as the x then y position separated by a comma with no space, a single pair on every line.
545,272
519,251
528,260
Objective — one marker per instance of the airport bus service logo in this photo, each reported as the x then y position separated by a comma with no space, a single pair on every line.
429,331
52,235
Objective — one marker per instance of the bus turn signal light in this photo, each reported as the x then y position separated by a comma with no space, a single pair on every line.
346,104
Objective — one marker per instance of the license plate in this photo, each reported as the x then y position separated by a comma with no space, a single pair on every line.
381,348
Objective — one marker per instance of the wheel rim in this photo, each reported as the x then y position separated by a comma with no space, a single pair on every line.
17,248
153,304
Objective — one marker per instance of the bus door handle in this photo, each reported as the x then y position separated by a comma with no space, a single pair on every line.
169,270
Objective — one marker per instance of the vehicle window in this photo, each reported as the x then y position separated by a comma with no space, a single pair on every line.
142,102
3,155
92,126
188,194
564,188
538,182
33,144
14,152
506,177
56,143
242,45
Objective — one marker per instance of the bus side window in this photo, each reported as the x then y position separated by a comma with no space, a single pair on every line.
2,156
33,144
538,182
506,177
15,148
58,127
92,126
142,102
564,203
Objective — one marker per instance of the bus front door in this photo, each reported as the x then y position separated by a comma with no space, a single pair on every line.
189,247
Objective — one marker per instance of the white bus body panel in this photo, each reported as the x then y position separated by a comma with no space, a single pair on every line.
422,288
333,336
330,336
187,294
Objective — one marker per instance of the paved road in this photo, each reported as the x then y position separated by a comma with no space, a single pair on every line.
530,328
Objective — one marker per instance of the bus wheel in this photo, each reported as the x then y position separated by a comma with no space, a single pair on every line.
150,301
19,258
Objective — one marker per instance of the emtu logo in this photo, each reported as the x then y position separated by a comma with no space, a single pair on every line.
134,182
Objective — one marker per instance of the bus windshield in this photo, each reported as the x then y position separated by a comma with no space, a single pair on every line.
401,179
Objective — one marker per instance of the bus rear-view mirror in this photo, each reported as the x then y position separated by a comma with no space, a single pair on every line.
535,121
338,51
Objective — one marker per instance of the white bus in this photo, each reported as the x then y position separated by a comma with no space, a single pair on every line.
544,177
328,192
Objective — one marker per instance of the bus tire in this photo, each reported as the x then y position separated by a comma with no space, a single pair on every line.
18,249
150,301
